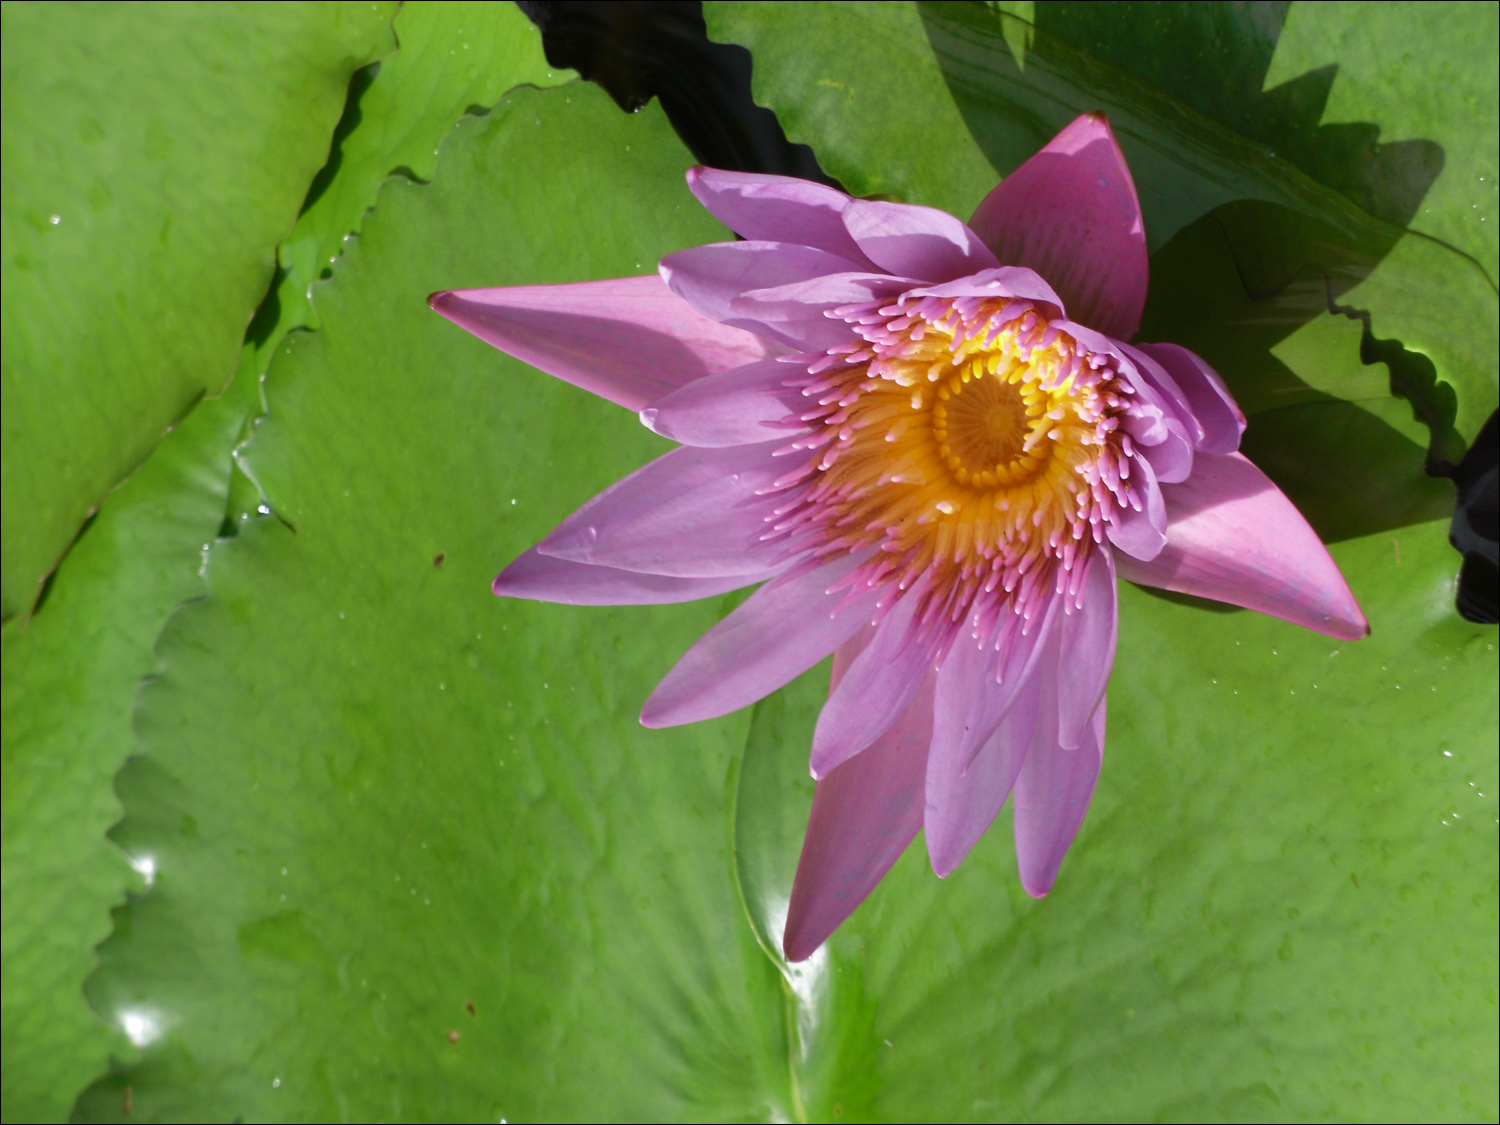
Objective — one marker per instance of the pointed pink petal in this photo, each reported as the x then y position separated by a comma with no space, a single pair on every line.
1071,214
962,802
741,406
777,209
1052,792
875,691
538,578
911,241
709,278
978,686
1234,537
1086,651
781,631
1142,534
693,513
864,814
1212,404
629,340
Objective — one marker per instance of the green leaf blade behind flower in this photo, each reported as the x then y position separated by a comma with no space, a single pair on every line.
501,896
152,158
1415,70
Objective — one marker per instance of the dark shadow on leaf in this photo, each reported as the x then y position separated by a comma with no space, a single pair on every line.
1240,281
1434,403
359,82
1215,57
1476,526
659,48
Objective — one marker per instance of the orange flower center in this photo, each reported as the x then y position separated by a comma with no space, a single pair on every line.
976,447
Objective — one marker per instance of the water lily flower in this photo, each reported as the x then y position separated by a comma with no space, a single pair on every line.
932,445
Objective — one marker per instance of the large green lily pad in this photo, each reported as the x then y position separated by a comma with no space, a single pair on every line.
69,688
70,676
152,157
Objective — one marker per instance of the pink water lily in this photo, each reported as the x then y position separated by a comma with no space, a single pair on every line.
932,444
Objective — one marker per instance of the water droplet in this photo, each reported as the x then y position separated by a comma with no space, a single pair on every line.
140,1025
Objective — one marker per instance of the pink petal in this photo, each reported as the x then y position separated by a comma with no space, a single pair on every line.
1013,282
777,209
1212,404
864,814
797,313
781,631
1143,533
875,691
1086,650
1234,537
710,277
693,513
1071,214
741,406
1165,393
1052,794
978,685
911,241
963,802
538,578
629,340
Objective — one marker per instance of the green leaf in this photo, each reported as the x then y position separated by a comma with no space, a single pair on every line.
1415,70
70,677
69,683
152,158
1272,910
415,856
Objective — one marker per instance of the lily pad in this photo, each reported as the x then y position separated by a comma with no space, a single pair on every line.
69,687
70,676
152,158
